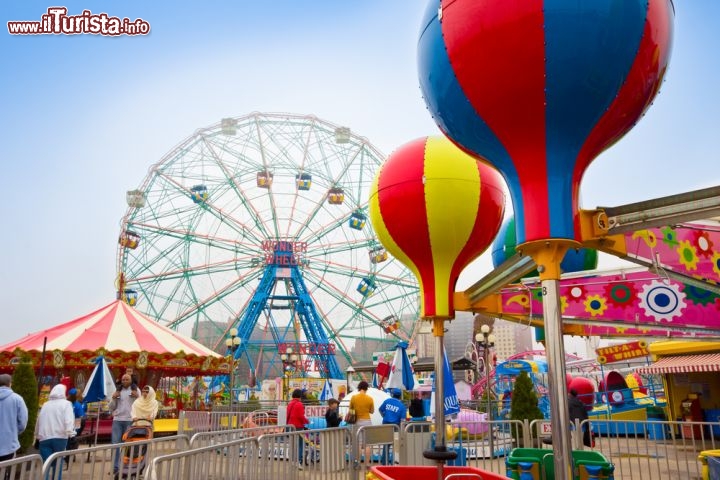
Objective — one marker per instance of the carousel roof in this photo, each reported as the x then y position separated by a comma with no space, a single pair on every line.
115,327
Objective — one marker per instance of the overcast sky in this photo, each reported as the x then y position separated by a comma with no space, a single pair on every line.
83,118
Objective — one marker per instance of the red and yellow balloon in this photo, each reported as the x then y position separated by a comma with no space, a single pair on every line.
436,209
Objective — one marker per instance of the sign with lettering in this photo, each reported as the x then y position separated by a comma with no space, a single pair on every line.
284,253
307,348
624,351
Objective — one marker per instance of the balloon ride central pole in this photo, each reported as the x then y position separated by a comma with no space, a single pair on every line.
440,453
438,332
548,255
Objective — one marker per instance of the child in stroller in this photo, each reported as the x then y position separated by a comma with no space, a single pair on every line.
134,457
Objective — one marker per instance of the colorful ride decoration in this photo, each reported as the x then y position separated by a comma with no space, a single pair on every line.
539,89
585,389
435,209
635,382
614,390
632,303
692,249
473,424
505,244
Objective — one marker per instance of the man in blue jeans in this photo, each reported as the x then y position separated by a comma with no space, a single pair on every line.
121,408
393,411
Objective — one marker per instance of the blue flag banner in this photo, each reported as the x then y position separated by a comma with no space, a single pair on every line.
451,404
327,392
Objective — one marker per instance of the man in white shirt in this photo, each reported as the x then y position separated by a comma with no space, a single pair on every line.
121,408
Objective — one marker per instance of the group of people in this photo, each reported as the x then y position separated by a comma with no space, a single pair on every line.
62,416
130,405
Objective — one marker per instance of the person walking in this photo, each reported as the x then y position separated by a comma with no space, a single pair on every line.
364,406
13,419
578,413
121,409
146,407
393,411
78,410
55,425
417,409
332,416
296,417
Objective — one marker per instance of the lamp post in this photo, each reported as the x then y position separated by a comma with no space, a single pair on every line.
232,343
486,340
289,361
349,371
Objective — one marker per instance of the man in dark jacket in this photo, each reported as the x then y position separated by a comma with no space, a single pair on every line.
578,412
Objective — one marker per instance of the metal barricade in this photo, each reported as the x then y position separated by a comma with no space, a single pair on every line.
98,461
233,460
485,445
640,449
321,454
415,438
372,444
191,422
28,467
203,439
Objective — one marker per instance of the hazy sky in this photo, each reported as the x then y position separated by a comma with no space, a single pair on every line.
83,118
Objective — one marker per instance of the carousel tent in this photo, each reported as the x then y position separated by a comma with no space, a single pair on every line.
126,338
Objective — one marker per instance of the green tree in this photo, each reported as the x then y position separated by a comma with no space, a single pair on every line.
524,403
25,384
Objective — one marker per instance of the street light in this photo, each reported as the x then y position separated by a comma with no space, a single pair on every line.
232,343
349,371
289,361
486,340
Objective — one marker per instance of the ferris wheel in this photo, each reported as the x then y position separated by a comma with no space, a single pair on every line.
260,223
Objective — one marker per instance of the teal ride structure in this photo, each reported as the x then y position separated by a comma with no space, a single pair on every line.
258,225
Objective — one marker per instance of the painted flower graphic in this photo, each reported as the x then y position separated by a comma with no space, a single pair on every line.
595,305
670,237
621,294
702,243
687,255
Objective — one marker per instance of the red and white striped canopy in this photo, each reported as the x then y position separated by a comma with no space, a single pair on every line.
114,327
684,364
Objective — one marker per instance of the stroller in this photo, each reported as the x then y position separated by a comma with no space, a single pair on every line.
134,457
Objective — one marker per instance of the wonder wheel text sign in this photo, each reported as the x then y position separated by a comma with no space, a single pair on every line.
283,252
624,351
309,363
307,348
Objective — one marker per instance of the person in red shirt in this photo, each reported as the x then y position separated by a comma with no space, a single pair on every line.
296,417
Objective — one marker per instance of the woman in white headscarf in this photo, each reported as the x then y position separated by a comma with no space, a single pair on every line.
145,407
55,423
